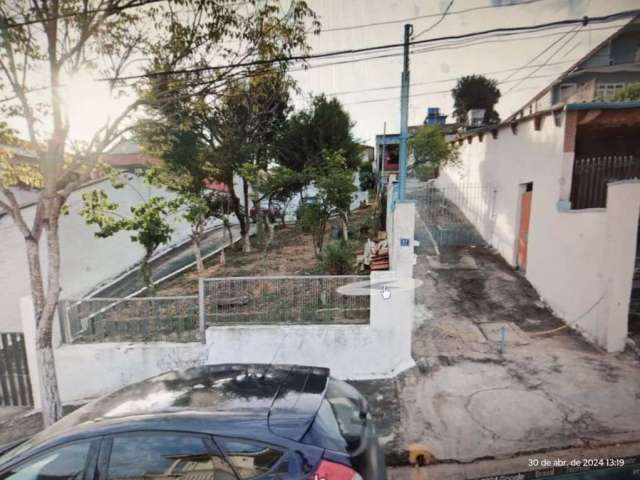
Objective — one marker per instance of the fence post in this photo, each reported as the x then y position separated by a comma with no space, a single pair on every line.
201,312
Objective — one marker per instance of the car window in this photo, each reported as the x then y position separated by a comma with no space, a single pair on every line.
138,456
349,409
64,463
249,459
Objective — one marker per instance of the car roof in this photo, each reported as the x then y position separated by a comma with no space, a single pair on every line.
260,399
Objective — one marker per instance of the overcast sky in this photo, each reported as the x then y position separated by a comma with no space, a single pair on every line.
370,89
438,67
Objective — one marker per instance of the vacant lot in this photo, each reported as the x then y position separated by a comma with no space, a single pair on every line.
289,253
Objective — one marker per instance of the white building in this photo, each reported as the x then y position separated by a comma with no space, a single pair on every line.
567,198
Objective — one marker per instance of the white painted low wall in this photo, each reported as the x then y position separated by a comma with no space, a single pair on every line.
381,348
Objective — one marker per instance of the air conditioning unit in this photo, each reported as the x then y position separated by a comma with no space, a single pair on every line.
475,117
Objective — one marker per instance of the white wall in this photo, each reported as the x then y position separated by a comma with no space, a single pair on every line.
566,249
86,260
381,348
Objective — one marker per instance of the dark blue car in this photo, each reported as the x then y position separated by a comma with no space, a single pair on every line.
219,422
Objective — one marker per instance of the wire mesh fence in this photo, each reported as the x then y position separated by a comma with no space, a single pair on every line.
282,300
172,319
220,301
457,214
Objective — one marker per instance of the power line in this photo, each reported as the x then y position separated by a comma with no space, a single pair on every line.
27,22
293,58
418,94
447,46
548,59
450,79
438,22
420,17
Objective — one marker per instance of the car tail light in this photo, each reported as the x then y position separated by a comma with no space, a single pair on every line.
335,471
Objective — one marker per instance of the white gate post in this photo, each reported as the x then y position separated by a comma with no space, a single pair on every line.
28,318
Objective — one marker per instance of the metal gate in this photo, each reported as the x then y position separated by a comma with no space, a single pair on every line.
15,387
457,214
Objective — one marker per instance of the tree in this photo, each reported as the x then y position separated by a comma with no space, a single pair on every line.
335,188
366,176
277,183
147,223
245,126
323,127
185,171
43,43
629,93
431,151
476,91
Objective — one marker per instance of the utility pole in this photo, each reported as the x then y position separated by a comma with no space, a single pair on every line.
404,115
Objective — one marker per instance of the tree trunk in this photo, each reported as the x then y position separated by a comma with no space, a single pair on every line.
246,235
147,274
222,260
49,392
240,215
195,237
271,229
345,226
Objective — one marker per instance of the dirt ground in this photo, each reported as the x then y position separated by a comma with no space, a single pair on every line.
290,253
498,375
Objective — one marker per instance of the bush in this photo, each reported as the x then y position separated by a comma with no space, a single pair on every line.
338,258
425,172
366,176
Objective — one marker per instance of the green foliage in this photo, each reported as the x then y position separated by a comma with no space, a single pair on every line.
338,258
430,148
147,223
629,93
310,215
308,134
335,187
366,176
425,172
476,91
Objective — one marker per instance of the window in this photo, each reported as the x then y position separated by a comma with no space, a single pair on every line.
164,455
248,458
63,463
350,411
606,91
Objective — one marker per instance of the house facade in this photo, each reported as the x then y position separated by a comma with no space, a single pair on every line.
567,201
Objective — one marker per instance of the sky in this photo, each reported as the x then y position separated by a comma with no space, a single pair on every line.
436,71
370,88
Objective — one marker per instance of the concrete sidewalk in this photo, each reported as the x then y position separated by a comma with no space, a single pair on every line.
549,389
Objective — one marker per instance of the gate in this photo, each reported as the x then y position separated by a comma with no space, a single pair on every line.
591,175
457,214
15,387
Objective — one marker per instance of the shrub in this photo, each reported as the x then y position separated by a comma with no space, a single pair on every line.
338,258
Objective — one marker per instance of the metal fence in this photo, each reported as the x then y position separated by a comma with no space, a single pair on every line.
15,386
591,175
457,214
281,300
172,319
220,301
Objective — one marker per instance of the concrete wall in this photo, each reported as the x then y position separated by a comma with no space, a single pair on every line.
381,348
86,260
568,251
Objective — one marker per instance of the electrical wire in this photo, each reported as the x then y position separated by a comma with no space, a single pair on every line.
23,23
438,22
421,17
558,50
351,51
